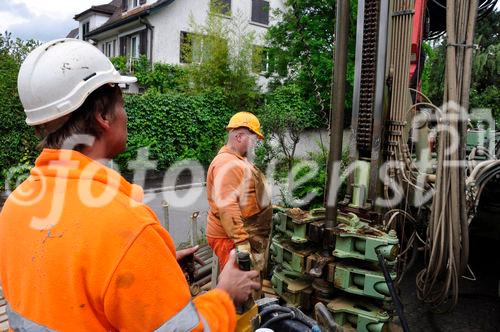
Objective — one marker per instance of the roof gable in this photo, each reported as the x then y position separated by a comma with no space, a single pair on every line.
107,9
119,18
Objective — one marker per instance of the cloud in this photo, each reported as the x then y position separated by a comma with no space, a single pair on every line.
16,8
43,21
43,28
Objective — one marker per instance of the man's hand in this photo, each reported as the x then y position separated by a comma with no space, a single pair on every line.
179,255
238,284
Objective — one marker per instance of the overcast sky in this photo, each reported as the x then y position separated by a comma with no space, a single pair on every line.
41,19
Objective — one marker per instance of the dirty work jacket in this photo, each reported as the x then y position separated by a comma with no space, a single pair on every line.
233,196
79,252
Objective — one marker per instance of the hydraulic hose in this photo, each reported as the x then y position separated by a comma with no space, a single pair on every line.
392,291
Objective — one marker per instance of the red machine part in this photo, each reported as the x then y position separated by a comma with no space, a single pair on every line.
417,39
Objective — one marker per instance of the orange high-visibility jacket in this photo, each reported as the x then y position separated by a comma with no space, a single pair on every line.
231,196
80,252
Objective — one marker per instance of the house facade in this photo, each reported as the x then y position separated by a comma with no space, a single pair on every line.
158,28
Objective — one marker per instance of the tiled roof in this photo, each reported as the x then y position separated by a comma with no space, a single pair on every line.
107,9
118,18
73,33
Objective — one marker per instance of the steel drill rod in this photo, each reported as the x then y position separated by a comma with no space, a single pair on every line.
337,111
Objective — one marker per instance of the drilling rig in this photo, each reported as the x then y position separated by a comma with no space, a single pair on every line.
418,172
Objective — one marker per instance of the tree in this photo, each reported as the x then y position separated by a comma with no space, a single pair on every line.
300,50
285,117
221,56
17,48
485,67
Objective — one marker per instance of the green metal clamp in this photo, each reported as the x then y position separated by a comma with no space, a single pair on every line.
294,225
292,287
358,314
284,253
356,239
361,281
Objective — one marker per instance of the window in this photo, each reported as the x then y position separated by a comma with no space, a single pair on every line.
260,59
109,53
265,61
222,6
134,47
196,48
114,47
268,61
133,4
260,11
85,29
191,48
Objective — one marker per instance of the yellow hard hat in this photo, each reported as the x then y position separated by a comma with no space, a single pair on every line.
247,120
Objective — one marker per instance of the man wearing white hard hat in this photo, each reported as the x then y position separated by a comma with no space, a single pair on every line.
79,251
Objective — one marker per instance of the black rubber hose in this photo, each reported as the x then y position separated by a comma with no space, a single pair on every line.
287,313
301,317
394,295
274,308
277,319
281,317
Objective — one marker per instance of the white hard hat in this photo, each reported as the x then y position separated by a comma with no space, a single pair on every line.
56,78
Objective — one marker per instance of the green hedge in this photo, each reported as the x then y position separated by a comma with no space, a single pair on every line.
175,126
17,139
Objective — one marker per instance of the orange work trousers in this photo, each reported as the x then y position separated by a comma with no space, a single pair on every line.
221,247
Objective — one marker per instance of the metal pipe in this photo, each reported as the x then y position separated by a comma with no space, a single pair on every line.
203,281
194,228
203,271
166,221
151,28
215,271
337,111
353,151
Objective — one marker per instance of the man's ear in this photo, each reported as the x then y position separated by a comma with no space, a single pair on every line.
103,121
238,137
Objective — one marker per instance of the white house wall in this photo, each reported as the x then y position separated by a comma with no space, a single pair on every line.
97,21
170,21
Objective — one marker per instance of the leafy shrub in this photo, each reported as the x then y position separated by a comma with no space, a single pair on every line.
285,117
175,126
18,139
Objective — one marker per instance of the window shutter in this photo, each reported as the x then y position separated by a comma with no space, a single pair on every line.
260,11
142,2
124,5
143,42
123,46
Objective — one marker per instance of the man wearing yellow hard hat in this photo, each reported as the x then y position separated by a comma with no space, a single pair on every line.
240,208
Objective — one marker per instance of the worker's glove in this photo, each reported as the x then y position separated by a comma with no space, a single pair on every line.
243,247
